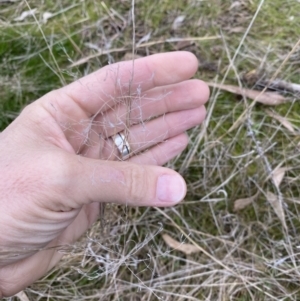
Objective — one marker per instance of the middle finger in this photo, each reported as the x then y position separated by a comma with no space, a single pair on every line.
144,136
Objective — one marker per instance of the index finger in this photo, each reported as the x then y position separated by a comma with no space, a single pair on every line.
113,83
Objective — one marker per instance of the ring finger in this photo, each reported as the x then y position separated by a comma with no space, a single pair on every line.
144,136
155,102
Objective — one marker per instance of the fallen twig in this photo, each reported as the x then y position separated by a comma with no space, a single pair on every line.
267,98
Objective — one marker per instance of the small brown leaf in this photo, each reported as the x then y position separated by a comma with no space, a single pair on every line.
178,22
183,44
267,98
238,29
22,296
288,125
129,56
278,175
182,247
243,203
277,207
234,5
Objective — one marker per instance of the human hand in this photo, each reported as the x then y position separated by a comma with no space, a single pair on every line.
58,162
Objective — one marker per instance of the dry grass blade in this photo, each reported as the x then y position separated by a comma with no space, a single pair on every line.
182,247
266,98
288,125
243,203
277,207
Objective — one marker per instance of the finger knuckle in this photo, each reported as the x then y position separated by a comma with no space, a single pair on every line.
137,185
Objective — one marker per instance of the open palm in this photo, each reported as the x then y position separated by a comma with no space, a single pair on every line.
58,160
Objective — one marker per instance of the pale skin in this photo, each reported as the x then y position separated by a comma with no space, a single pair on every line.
58,163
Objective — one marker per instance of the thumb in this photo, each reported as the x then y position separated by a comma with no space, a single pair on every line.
125,183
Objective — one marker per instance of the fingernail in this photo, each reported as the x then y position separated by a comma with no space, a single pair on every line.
170,189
